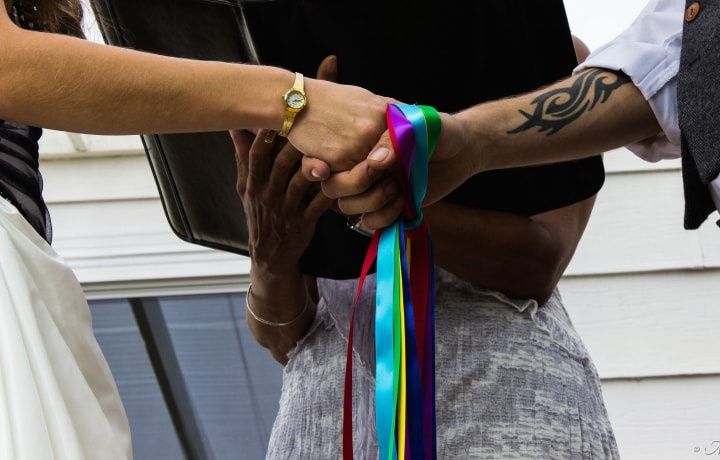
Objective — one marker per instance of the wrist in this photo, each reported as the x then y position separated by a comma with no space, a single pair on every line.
481,133
272,83
277,314
276,287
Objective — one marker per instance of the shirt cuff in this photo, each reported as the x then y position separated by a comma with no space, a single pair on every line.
666,145
649,66
648,52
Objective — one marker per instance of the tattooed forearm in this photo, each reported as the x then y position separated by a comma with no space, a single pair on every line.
559,107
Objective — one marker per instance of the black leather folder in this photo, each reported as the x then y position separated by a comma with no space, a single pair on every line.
449,54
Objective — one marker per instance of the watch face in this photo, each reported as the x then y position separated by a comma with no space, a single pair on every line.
295,100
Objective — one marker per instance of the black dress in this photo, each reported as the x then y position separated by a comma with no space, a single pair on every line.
20,179
452,55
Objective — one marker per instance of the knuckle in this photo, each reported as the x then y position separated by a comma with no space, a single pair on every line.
329,189
295,188
289,226
240,188
346,206
284,164
369,128
249,189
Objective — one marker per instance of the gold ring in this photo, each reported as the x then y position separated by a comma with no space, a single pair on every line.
270,137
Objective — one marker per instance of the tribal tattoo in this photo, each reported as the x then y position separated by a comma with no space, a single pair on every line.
557,108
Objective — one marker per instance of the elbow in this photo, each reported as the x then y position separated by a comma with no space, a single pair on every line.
540,287
541,272
544,274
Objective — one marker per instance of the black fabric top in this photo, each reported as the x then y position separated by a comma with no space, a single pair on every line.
450,54
20,179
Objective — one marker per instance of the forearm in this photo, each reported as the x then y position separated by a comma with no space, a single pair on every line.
579,117
500,251
280,299
70,84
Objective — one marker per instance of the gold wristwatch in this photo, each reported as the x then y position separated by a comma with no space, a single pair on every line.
295,101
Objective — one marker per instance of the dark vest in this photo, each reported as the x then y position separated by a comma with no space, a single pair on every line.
699,110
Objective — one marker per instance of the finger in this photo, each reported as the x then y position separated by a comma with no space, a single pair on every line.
315,170
348,183
381,157
285,165
296,190
328,69
385,216
373,200
317,207
260,160
243,142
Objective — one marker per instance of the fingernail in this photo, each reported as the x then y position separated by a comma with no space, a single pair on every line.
315,174
379,154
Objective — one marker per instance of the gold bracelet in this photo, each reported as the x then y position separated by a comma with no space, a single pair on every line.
271,323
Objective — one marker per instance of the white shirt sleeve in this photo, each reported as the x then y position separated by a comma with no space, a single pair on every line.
649,53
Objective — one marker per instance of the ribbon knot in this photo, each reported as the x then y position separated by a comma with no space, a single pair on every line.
404,303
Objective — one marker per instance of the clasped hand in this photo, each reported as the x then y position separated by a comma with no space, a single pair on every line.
362,182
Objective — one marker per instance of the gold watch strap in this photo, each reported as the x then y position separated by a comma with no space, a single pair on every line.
287,124
298,85
299,82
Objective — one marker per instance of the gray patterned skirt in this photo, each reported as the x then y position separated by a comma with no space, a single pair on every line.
514,380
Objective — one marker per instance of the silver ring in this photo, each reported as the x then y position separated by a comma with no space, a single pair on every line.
355,224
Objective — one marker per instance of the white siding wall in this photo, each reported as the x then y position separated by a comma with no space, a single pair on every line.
644,294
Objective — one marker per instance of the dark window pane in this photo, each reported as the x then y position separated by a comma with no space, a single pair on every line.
233,383
154,437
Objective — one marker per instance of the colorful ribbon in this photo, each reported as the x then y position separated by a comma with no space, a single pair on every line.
404,304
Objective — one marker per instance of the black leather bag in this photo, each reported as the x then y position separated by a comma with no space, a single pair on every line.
195,173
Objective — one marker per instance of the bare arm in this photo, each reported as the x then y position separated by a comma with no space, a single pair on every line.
587,114
522,257
592,112
581,116
519,256
69,84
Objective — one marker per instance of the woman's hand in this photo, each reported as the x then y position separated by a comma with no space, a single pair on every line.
340,125
280,207
281,212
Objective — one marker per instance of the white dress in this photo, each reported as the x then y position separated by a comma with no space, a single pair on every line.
513,380
58,399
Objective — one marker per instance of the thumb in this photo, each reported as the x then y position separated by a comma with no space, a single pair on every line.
328,69
382,156
315,170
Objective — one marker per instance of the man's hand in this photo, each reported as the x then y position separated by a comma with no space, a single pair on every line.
381,205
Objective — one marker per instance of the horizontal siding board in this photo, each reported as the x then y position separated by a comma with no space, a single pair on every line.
648,324
82,180
637,226
56,145
665,419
